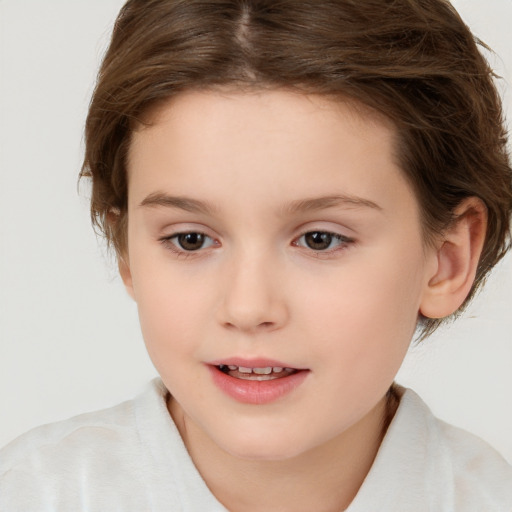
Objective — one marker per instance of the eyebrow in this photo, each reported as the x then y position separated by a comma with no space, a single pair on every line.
183,203
299,206
325,202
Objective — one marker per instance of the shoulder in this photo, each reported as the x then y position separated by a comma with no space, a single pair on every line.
424,464
76,459
477,470
466,471
69,437
129,457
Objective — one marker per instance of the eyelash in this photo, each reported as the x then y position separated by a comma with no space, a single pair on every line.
168,243
171,243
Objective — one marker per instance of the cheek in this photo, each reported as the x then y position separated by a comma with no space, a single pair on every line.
367,313
172,309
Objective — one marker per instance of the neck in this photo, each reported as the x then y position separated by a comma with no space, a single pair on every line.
325,479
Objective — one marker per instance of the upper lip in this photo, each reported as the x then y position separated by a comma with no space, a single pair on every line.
258,362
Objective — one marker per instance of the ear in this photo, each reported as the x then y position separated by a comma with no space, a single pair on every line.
457,256
126,274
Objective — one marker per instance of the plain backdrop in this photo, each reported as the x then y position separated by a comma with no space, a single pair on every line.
69,335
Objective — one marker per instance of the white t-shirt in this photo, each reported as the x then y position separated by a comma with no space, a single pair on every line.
131,458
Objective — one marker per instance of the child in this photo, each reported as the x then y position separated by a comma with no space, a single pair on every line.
292,188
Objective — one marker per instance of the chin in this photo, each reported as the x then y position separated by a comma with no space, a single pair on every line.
262,447
264,453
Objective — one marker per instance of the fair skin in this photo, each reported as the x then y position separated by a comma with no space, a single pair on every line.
270,271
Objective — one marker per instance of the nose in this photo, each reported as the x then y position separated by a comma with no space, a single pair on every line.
253,297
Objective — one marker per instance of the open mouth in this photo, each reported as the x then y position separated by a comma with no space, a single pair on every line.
257,381
257,374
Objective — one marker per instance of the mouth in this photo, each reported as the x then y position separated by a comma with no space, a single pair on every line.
256,381
257,374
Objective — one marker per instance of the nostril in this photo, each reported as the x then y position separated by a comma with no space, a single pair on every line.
261,325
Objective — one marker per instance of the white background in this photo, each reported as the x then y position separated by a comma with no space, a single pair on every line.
69,335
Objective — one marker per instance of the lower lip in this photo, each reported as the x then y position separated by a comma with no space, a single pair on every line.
257,392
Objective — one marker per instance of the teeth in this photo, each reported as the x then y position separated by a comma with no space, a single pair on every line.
258,371
262,371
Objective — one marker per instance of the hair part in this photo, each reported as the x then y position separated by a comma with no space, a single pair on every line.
413,61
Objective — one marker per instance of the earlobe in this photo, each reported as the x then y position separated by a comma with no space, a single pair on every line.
457,257
126,275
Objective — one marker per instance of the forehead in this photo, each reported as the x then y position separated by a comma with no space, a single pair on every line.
196,104
280,144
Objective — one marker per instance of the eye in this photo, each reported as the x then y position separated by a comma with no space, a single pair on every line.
188,242
322,240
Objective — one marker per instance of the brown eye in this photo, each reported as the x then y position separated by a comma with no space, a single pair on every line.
191,241
317,240
323,241
188,242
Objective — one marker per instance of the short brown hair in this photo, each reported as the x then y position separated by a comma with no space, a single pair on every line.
414,61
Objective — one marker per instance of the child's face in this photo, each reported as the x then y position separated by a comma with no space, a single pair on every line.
304,252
